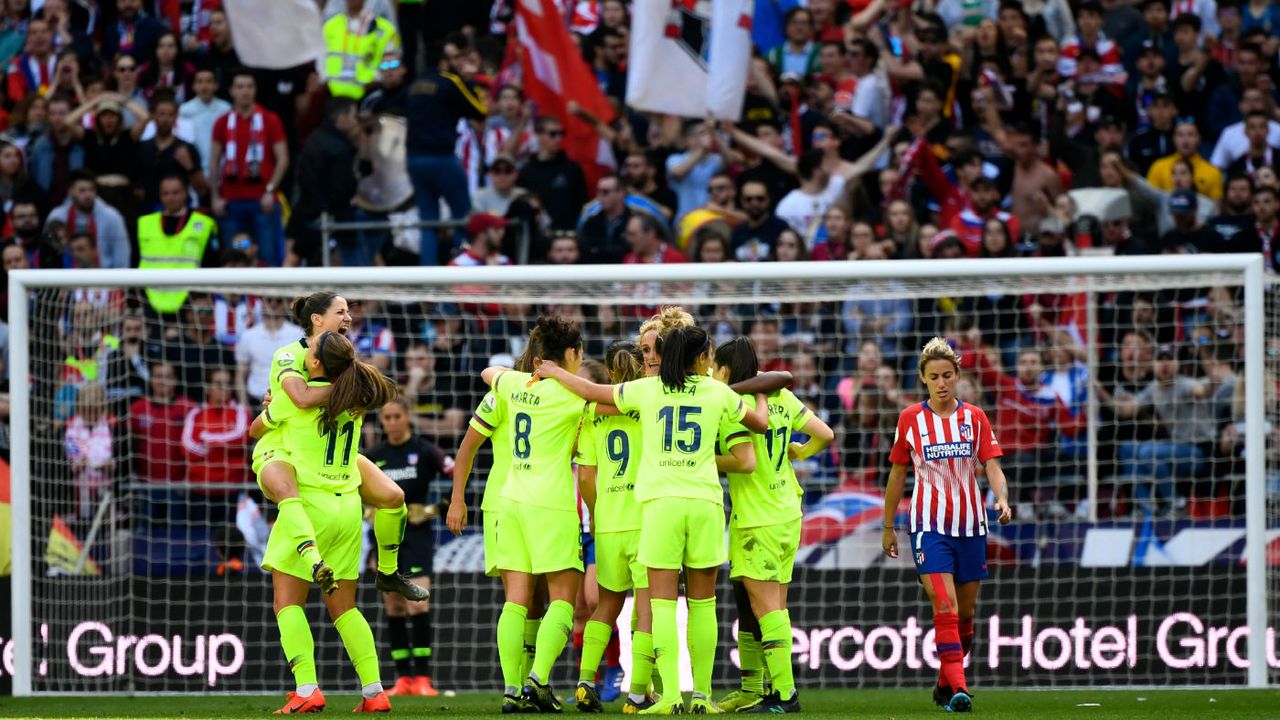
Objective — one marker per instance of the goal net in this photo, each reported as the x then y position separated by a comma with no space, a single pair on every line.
1124,392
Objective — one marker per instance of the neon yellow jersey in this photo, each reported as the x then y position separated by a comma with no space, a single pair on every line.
322,459
489,420
679,430
611,444
542,421
771,494
288,360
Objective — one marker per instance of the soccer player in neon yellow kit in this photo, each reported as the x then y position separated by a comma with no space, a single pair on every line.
681,412
764,535
490,423
539,527
609,454
321,442
319,313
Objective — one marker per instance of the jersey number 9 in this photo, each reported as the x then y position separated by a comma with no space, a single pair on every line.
619,451
523,426
347,429
686,425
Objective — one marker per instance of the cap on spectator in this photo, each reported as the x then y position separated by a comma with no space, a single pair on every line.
482,221
110,106
1182,202
1052,225
502,158
943,239
1092,6
1166,352
1161,96
1111,122
1149,46
983,180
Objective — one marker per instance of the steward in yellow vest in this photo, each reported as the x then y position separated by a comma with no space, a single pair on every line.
173,238
358,46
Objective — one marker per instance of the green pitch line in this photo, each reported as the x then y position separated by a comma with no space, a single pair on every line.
818,705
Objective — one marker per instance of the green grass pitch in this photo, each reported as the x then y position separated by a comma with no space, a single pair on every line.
818,705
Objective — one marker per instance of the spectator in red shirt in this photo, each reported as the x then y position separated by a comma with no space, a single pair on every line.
215,437
952,198
249,156
650,243
155,428
1029,418
32,72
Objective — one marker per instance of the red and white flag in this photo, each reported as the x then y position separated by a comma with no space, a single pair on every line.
555,73
679,65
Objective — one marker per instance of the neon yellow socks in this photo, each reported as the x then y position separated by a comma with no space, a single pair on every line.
511,625
294,520
357,637
595,636
388,532
557,627
298,645
775,645
702,634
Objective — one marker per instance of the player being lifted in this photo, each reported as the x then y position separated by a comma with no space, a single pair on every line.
945,440
317,314
764,535
489,422
322,445
682,412
540,529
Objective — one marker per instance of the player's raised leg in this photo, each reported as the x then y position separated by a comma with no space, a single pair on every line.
390,515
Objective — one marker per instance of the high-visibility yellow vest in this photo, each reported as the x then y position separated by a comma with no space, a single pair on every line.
354,55
184,250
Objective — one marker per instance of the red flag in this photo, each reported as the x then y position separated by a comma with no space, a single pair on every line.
554,73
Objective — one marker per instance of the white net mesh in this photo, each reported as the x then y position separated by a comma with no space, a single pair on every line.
1118,399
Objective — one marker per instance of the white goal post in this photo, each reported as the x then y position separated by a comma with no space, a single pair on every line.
795,281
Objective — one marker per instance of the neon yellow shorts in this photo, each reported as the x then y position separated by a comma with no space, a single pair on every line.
265,454
617,568
492,548
680,532
336,519
538,540
766,553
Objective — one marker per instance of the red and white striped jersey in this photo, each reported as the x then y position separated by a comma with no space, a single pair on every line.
945,453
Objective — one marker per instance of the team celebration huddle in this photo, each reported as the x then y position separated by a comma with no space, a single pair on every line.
636,445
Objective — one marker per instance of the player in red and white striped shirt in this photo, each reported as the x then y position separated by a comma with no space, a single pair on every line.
945,441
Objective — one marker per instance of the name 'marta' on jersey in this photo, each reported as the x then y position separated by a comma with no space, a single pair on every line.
542,421
679,430
770,494
945,453
322,459
611,444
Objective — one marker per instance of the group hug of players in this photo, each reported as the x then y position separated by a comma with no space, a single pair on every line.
648,447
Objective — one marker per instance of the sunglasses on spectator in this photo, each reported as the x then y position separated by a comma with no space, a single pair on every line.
554,133
126,68
502,169
821,135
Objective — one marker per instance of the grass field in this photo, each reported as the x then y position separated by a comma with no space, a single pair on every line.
818,705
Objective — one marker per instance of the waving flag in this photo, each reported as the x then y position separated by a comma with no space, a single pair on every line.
555,73
679,66
276,35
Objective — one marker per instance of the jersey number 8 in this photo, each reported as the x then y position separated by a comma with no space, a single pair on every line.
523,426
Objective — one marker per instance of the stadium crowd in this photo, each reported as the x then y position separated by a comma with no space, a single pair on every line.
132,136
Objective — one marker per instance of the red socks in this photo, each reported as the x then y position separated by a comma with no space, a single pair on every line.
950,651
613,651
966,636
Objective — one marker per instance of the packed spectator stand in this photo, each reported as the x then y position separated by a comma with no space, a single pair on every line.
876,130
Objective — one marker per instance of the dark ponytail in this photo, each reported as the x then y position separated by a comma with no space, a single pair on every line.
739,355
557,336
304,307
624,361
357,386
680,349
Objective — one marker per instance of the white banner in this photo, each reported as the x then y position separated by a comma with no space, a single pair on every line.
680,67
276,35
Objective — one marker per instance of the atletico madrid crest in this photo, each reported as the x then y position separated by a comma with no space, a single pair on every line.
966,432
919,557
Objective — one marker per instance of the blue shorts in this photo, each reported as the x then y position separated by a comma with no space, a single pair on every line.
964,557
588,549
